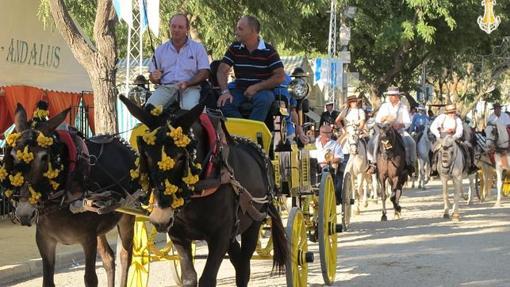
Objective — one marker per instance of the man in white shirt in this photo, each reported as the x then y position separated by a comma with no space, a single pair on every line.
395,113
449,123
498,117
325,144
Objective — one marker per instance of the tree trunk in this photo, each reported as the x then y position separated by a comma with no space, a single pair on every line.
98,61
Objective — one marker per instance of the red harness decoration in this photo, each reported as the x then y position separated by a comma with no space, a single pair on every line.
208,126
65,137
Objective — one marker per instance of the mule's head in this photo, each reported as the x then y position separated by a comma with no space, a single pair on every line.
33,165
167,165
387,136
353,139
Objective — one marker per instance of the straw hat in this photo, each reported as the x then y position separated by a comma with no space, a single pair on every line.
352,99
450,108
393,91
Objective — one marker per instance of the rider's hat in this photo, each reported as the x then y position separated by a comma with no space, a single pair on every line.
352,99
329,103
496,105
451,108
393,91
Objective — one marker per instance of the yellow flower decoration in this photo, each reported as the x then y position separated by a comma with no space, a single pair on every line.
190,179
134,173
17,180
54,184
198,165
25,155
180,139
51,173
170,188
12,138
150,137
44,141
3,173
166,162
8,193
177,201
157,110
39,113
34,196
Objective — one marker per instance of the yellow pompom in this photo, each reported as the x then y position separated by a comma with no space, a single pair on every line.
134,173
51,173
166,162
150,137
3,173
25,155
177,201
170,188
8,193
12,138
180,139
157,110
144,182
17,180
39,113
190,179
54,184
44,141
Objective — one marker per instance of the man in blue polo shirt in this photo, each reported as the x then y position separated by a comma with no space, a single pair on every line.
257,68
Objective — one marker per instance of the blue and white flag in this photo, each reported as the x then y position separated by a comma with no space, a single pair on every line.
124,10
149,15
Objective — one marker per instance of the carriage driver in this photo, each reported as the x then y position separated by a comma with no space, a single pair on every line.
497,117
179,65
448,123
395,113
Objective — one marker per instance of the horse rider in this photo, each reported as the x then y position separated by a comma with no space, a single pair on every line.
179,65
329,115
449,123
352,116
497,117
420,120
395,113
257,68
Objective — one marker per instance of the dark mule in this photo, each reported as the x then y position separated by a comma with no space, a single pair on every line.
38,198
391,162
216,218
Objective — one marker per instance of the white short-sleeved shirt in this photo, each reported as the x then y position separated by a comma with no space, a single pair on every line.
398,113
182,65
445,122
321,150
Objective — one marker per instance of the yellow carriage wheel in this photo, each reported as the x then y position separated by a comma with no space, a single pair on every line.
327,228
138,275
297,263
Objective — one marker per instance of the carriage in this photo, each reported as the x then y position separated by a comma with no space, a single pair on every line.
306,197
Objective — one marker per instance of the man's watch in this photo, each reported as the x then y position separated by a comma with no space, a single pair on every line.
225,91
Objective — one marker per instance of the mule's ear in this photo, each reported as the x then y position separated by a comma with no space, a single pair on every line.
20,118
53,123
186,120
140,114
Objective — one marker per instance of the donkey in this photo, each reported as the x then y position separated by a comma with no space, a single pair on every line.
214,217
38,164
391,163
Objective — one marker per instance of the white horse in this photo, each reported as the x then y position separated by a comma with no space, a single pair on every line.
451,165
357,164
498,141
423,148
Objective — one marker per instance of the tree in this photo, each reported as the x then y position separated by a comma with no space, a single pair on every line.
98,58
390,39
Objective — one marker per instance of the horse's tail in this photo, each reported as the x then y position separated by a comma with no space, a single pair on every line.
281,249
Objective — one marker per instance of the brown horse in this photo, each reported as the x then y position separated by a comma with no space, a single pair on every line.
38,164
216,218
391,166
